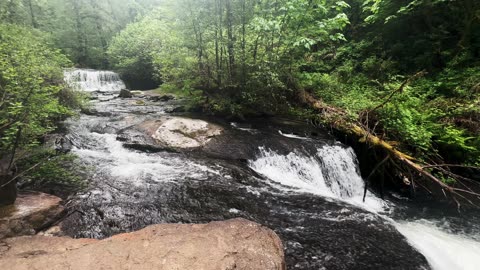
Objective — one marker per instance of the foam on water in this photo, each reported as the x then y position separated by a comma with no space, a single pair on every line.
137,167
292,136
334,173
93,80
443,250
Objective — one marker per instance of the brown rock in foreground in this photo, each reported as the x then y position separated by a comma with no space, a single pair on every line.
30,213
233,244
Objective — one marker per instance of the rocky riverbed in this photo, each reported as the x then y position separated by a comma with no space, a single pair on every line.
153,167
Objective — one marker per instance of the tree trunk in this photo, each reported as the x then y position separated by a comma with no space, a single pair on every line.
81,38
8,188
217,52
340,121
32,14
231,42
101,34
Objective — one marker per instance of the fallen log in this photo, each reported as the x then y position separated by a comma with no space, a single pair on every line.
340,120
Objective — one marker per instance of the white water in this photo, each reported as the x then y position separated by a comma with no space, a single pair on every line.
107,154
334,173
443,250
93,80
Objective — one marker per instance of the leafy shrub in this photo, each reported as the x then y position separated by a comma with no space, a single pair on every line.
45,170
31,87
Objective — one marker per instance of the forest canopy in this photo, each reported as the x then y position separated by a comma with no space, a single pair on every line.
258,56
404,72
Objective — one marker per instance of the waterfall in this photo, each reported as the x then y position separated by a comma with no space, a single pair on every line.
93,80
333,173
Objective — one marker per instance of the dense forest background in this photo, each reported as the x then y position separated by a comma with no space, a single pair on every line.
405,71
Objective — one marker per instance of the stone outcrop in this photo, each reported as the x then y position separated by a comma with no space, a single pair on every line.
124,93
31,212
233,244
171,133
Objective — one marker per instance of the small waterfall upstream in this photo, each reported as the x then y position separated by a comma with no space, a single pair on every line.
310,192
93,80
334,173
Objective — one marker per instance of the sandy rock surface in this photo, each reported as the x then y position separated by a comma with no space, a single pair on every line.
232,244
30,212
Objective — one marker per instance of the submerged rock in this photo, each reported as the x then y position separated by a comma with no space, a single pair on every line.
31,212
233,244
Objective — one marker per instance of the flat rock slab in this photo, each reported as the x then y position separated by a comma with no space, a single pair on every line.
30,212
232,244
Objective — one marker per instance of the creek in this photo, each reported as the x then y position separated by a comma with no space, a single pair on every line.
303,184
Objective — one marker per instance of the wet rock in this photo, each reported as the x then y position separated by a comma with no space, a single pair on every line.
93,112
172,132
185,133
137,93
233,244
163,98
31,212
179,109
124,93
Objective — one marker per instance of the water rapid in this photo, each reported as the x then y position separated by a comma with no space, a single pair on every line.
308,190
334,173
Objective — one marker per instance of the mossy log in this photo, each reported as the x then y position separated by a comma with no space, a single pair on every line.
343,122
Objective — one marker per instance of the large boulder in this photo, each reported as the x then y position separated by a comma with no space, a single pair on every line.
171,133
30,213
233,244
124,93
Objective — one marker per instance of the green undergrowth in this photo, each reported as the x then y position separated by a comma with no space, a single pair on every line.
59,174
436,116
192,98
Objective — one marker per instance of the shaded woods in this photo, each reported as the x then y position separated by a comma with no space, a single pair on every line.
400,76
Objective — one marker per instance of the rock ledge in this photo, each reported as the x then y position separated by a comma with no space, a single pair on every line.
233,244
30,213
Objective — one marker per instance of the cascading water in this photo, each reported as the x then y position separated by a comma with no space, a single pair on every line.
334,173
331,173
93,80
306,194
444,250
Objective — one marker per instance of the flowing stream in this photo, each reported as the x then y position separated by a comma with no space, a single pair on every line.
308,190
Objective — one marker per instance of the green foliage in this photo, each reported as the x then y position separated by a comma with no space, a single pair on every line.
82,29
132,51
44,169
240,53
251,57
31,87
